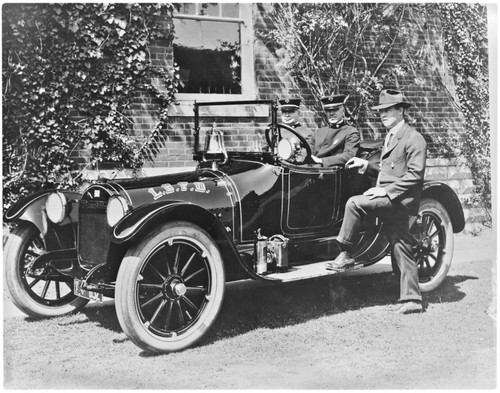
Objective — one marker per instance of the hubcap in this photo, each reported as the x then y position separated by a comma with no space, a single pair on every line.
173,287
179,289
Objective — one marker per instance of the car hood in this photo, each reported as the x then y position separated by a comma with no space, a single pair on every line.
219,188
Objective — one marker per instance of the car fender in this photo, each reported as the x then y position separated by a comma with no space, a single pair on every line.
141,220
445,195
32,209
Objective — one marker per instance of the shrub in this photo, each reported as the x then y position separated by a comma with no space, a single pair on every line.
69,74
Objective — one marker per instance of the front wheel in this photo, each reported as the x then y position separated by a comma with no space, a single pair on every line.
433,242
170,288
41,295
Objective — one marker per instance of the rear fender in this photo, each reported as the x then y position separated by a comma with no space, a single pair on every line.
32,209
445,195
139,222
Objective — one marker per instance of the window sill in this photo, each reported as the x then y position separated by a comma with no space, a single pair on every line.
185,109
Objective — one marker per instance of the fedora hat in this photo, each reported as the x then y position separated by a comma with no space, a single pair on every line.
390,98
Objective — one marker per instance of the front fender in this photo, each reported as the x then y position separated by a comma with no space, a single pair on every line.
32,209
141,220
445,195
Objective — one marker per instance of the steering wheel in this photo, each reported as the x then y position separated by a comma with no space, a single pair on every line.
303,143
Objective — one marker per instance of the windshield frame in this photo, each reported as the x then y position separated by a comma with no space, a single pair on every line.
273,110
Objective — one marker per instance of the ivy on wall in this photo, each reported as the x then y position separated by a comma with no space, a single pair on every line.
466,44
339,47
70,72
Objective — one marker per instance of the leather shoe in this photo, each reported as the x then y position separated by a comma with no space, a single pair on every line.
410,307
342,262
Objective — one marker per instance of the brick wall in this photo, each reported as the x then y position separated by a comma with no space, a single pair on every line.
434,113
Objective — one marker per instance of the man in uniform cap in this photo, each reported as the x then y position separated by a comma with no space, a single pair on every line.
290,113
396,196
339,142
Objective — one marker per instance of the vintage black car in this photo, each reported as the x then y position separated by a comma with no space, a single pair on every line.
165,246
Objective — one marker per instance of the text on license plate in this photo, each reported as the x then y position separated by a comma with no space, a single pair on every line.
82,292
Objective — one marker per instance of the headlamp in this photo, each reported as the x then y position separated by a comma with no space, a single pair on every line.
116,210
56,207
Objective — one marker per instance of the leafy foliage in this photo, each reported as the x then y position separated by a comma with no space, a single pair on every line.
70,72
465,34
336,46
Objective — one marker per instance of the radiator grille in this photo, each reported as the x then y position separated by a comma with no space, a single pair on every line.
94,234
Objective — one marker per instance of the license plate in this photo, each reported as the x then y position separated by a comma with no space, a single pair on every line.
82,292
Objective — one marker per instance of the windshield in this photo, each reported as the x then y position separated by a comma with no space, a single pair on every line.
240,137
240,124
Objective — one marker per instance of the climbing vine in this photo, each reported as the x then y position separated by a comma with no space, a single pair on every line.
466,44
70,73
335,47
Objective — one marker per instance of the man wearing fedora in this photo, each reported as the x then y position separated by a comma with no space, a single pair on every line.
396,196
339,141
290,114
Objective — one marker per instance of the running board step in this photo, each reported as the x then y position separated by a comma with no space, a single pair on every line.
304,272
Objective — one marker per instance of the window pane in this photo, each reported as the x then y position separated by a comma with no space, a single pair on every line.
208,55
209,9
230,10
187,8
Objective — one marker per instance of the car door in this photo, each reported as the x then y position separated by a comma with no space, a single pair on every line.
312,200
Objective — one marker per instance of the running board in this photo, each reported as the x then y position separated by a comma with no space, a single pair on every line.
304,272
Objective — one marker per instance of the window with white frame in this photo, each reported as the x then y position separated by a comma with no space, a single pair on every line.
213,49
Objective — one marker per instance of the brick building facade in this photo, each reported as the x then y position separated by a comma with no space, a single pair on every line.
264,75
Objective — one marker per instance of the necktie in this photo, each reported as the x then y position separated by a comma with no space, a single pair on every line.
388,140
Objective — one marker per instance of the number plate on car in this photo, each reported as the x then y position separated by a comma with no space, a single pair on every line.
83,292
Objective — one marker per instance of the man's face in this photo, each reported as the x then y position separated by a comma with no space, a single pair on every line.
289,116
391,116
335,115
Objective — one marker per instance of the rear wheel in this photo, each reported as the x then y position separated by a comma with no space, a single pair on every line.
433,242
40,295
170,288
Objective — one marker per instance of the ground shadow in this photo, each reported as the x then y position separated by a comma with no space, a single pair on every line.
448,291
273,306
105,316
295,303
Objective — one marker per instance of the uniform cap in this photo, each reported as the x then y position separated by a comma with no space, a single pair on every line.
333,101
290,103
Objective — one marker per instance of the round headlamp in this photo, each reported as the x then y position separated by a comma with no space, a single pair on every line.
56,207
286,149
117,208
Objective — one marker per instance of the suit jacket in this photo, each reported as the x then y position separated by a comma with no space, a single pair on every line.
401,169
335,146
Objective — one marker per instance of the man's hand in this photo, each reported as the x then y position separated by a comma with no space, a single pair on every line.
317,160
356,162
375,192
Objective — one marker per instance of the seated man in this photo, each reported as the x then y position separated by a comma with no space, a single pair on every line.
396,196
290,113
339,142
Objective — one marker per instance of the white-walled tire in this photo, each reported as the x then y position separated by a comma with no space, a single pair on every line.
432,233
170,288
38,297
